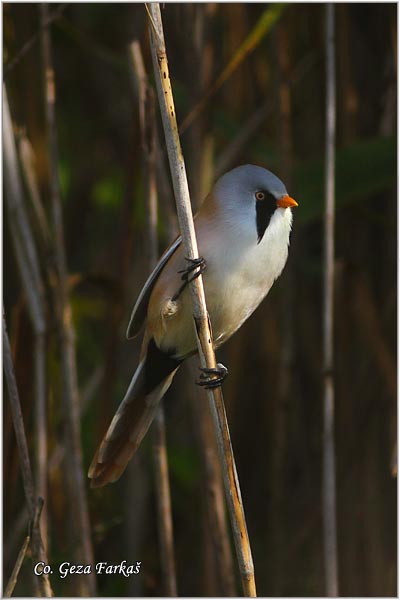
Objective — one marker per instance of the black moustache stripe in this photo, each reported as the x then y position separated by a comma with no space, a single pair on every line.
264,211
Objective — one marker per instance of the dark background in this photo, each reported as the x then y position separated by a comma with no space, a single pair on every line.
274,391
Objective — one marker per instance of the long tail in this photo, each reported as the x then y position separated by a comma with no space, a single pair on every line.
133,417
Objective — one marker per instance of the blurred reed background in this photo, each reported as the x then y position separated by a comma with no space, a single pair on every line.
256,74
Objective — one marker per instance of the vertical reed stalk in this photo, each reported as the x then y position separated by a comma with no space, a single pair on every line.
75,478
148,144
28,265
39,218
8,592
201,319
329,479
38,551
214,502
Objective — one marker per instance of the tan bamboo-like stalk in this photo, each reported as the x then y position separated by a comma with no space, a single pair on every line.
214,501
200,315
8,592
39,217
148,144
219,563
75,480
38,551
18,217
329,478
28,265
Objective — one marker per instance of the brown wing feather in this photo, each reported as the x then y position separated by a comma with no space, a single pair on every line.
133,417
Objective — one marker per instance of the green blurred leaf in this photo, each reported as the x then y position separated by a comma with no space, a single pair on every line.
85,307
64,172
107,192
183,465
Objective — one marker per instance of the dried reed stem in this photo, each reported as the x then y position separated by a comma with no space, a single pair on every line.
27,160
41,461
329,479
201,320
28,265
18,423
165,524
19,221
75,478
38,552
214,501
8,592
149,146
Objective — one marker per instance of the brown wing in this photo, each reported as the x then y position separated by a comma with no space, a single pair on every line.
134,416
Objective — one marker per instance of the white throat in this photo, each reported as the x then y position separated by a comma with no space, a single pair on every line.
243,271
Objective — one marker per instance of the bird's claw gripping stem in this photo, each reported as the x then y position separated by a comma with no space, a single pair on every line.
212,378
194,263
188,275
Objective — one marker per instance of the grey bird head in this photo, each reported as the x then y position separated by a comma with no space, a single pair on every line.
252,194
246,180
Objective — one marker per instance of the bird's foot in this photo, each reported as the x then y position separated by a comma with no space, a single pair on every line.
194,263
198,265
212,378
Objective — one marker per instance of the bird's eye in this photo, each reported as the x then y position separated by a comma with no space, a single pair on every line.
260,196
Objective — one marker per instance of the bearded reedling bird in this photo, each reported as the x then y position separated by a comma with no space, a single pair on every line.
242,231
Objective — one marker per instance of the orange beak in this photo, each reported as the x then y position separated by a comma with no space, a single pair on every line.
286,202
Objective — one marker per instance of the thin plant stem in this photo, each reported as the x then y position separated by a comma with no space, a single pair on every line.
38,552
19,428
41,429
200,315
18,218
164,510
75,478
8,592
149,145
27,160
214,500
329,479
28,265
